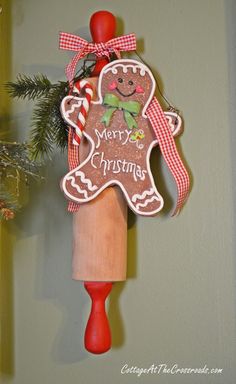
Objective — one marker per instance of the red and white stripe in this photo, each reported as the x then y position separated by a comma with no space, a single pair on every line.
83,85
75,134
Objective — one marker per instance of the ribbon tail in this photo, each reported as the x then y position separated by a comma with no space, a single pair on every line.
70,68
73,162
123,43
106,118
169,151
130,121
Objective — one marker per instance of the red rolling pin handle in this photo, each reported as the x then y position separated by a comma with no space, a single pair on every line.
97,338
102,28
97,334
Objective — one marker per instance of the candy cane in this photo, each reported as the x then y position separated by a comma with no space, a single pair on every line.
75,132
83,85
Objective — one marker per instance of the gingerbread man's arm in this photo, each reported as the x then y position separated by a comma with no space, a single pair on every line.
70,107
175,122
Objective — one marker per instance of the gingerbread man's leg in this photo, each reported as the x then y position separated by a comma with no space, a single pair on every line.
148,201
82,185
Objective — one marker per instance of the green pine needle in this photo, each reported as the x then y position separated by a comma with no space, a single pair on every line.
48,125
30,88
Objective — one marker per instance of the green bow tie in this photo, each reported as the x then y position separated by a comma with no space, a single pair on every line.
130,109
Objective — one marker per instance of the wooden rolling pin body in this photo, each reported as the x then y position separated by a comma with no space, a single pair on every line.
100,237
100,227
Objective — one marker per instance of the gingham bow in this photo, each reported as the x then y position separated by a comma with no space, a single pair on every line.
71,42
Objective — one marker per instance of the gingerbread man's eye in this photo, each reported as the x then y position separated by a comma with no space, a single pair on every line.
130,82
120,80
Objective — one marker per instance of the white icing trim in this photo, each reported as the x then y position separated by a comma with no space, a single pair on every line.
137,196
91,187
147,202
76,186
140,66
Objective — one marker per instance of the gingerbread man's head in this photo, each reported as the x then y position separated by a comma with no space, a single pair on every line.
128,80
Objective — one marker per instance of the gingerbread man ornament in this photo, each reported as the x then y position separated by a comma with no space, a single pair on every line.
121,138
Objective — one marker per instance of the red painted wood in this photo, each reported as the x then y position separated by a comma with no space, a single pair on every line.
103,28
97,337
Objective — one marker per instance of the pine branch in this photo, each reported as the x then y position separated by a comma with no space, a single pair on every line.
48,126
42,134
29,87
60,127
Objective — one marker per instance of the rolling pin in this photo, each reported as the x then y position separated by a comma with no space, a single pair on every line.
100,228
100,225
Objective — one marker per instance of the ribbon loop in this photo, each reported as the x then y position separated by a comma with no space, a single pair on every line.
71,42
75,43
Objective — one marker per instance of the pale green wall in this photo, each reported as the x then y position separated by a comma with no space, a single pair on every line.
178,306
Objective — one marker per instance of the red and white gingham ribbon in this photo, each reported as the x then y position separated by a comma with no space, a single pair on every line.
73,161
169,151
71,42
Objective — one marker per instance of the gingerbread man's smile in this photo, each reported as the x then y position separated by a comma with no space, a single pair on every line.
114,87
122,94
130,83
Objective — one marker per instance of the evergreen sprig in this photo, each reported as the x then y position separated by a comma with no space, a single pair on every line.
48,127
29,87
